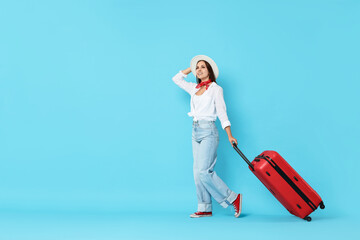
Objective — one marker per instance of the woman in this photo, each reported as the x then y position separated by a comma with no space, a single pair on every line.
207,103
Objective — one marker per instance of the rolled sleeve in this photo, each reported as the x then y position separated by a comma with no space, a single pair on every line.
221,109
179,80
225,124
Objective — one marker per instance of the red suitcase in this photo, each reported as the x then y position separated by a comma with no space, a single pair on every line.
284,183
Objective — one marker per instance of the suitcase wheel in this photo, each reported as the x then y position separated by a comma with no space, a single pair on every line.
307,218
322,206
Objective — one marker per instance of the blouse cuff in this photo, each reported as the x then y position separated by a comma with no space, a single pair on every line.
183,74
225,124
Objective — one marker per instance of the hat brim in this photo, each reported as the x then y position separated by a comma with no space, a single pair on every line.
198,58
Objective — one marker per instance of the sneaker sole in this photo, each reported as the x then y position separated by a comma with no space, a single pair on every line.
200,216
238,214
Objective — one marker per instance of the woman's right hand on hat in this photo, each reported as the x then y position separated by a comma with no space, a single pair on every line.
186,71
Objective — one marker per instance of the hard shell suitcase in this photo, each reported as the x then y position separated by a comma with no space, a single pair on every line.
284,183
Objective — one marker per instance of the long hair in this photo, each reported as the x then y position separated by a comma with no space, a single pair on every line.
210,70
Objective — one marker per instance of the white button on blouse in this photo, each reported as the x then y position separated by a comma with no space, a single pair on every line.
207,106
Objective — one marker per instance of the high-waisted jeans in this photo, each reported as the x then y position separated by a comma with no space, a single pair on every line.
205,140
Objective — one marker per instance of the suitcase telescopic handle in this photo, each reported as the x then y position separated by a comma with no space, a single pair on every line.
243,156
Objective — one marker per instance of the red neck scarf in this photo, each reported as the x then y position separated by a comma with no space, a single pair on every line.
204,83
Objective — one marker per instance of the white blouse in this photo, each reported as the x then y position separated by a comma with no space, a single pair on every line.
209,105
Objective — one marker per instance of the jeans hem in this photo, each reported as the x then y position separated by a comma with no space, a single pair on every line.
204,207
229,200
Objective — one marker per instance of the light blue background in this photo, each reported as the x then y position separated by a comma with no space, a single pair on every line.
92,126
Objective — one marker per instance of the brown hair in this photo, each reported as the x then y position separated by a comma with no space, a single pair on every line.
210,70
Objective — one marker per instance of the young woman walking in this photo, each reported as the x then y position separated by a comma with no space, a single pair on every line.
207,103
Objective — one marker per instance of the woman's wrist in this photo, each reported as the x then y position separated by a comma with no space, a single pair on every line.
186,71
228,131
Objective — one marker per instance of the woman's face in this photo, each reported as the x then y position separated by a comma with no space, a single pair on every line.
202,71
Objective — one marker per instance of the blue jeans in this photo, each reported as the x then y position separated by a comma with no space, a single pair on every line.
205,140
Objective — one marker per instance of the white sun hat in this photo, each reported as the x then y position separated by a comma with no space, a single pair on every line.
198,58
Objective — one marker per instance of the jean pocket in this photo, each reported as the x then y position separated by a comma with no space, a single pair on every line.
215,132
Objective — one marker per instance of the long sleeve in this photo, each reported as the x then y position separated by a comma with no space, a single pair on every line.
179,80
221,108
